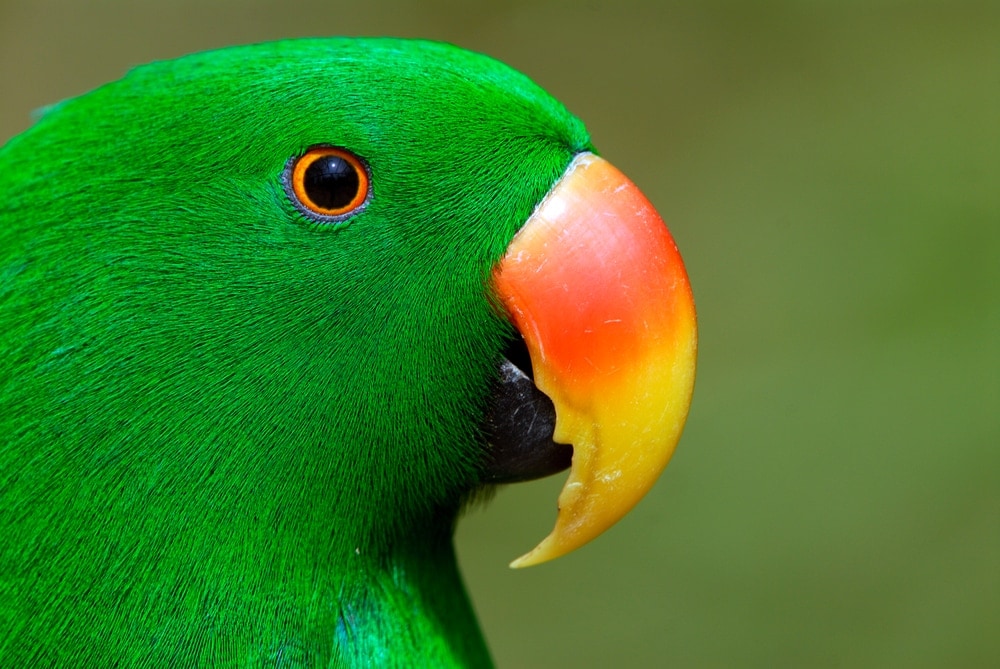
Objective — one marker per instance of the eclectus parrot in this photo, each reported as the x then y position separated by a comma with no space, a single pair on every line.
271,315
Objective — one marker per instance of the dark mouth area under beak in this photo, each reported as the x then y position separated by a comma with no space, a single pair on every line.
519,424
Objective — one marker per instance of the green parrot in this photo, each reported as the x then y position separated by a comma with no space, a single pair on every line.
272,315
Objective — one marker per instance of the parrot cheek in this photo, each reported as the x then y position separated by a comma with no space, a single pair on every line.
595,285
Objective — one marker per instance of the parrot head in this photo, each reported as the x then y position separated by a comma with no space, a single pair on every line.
272,314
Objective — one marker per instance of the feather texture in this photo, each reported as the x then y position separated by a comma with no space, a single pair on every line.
230,436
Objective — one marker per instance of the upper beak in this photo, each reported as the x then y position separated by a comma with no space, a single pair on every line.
596,287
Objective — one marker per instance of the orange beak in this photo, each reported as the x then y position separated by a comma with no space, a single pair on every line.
597,289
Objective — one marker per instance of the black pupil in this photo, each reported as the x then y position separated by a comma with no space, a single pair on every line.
331,182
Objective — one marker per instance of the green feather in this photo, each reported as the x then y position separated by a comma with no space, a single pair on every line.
229,435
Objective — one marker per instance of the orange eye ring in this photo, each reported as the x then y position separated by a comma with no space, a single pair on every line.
327,184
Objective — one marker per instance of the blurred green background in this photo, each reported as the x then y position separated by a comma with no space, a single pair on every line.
831,172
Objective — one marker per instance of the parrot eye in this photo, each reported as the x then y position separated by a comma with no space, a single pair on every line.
327,184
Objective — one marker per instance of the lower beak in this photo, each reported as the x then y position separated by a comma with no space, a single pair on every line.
596,287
